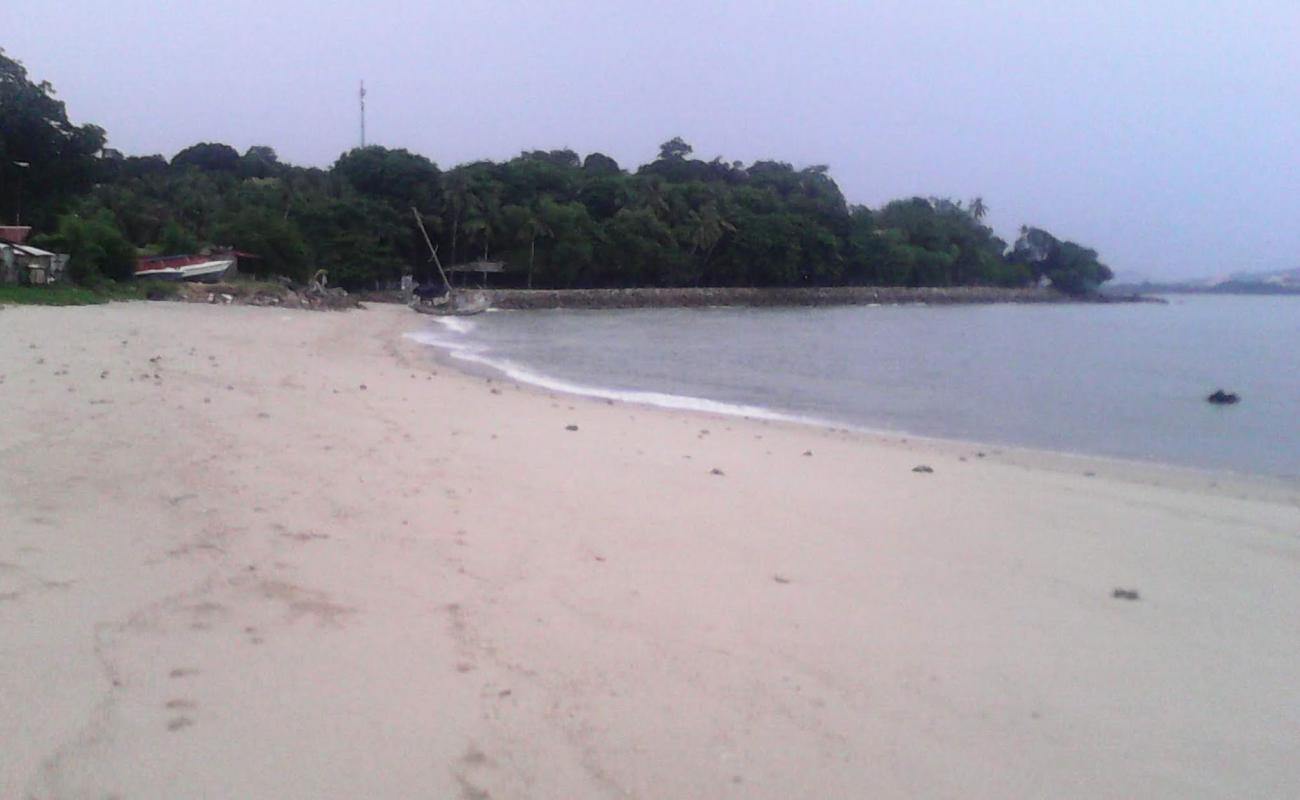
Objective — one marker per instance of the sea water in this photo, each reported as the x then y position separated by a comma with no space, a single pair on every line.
1122,380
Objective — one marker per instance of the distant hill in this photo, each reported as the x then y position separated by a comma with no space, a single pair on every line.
1286,281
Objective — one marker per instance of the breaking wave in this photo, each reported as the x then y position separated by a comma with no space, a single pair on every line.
456,343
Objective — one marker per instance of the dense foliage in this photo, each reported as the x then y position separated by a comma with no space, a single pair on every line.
555,218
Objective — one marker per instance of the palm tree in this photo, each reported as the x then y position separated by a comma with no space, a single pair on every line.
533,227
484,214
459,201
653,197
707,228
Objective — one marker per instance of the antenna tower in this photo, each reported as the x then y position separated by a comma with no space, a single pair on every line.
363,114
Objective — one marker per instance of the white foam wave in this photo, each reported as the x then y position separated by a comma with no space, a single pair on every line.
476,353
459,325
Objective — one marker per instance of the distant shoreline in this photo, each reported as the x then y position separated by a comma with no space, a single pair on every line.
1231,288
522,299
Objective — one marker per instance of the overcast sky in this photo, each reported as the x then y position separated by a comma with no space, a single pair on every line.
1165,133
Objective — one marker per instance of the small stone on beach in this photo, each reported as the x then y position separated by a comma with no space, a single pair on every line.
1125,594
716,471
570,427
922,468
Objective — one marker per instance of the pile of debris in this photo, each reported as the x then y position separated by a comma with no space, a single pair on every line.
278,292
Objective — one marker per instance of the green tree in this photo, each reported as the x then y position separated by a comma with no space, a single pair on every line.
402,178
528,225
1070,267
278,245
639,249
259,161
675,149
97,249
45,160
598,164
177,240
209,157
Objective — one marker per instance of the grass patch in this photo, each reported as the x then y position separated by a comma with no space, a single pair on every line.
66,294
57,295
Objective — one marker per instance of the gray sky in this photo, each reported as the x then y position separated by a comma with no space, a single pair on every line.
1165,133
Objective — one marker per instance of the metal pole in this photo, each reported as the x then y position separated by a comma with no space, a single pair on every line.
432,250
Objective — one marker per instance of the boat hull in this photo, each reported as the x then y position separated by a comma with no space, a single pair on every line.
457,306
207,271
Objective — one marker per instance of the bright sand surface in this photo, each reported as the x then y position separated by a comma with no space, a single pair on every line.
253,553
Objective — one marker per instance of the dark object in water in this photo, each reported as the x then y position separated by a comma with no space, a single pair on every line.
1222,398
1125,594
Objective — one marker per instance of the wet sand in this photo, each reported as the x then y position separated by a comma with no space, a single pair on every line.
255,553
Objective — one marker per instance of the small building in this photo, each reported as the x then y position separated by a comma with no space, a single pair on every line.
22,263
481,266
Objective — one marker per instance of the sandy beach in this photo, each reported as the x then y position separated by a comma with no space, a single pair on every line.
256,553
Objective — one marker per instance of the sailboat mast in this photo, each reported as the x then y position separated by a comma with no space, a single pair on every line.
433,251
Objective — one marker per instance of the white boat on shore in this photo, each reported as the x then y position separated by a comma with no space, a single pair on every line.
206,269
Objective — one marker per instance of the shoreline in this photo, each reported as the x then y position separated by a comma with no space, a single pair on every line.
470,363
273,554
758,297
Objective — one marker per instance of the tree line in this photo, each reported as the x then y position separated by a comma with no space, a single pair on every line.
557,219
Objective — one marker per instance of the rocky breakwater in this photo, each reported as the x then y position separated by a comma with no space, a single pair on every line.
824,296
258,293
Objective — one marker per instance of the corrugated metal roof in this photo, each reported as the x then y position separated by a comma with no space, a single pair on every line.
34,252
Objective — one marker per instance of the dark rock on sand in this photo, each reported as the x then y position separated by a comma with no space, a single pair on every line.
1222,398
1125,594
923,468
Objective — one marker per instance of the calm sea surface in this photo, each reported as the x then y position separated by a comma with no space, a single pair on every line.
1114,380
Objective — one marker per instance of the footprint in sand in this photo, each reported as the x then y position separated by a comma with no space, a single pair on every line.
182,672
178,723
